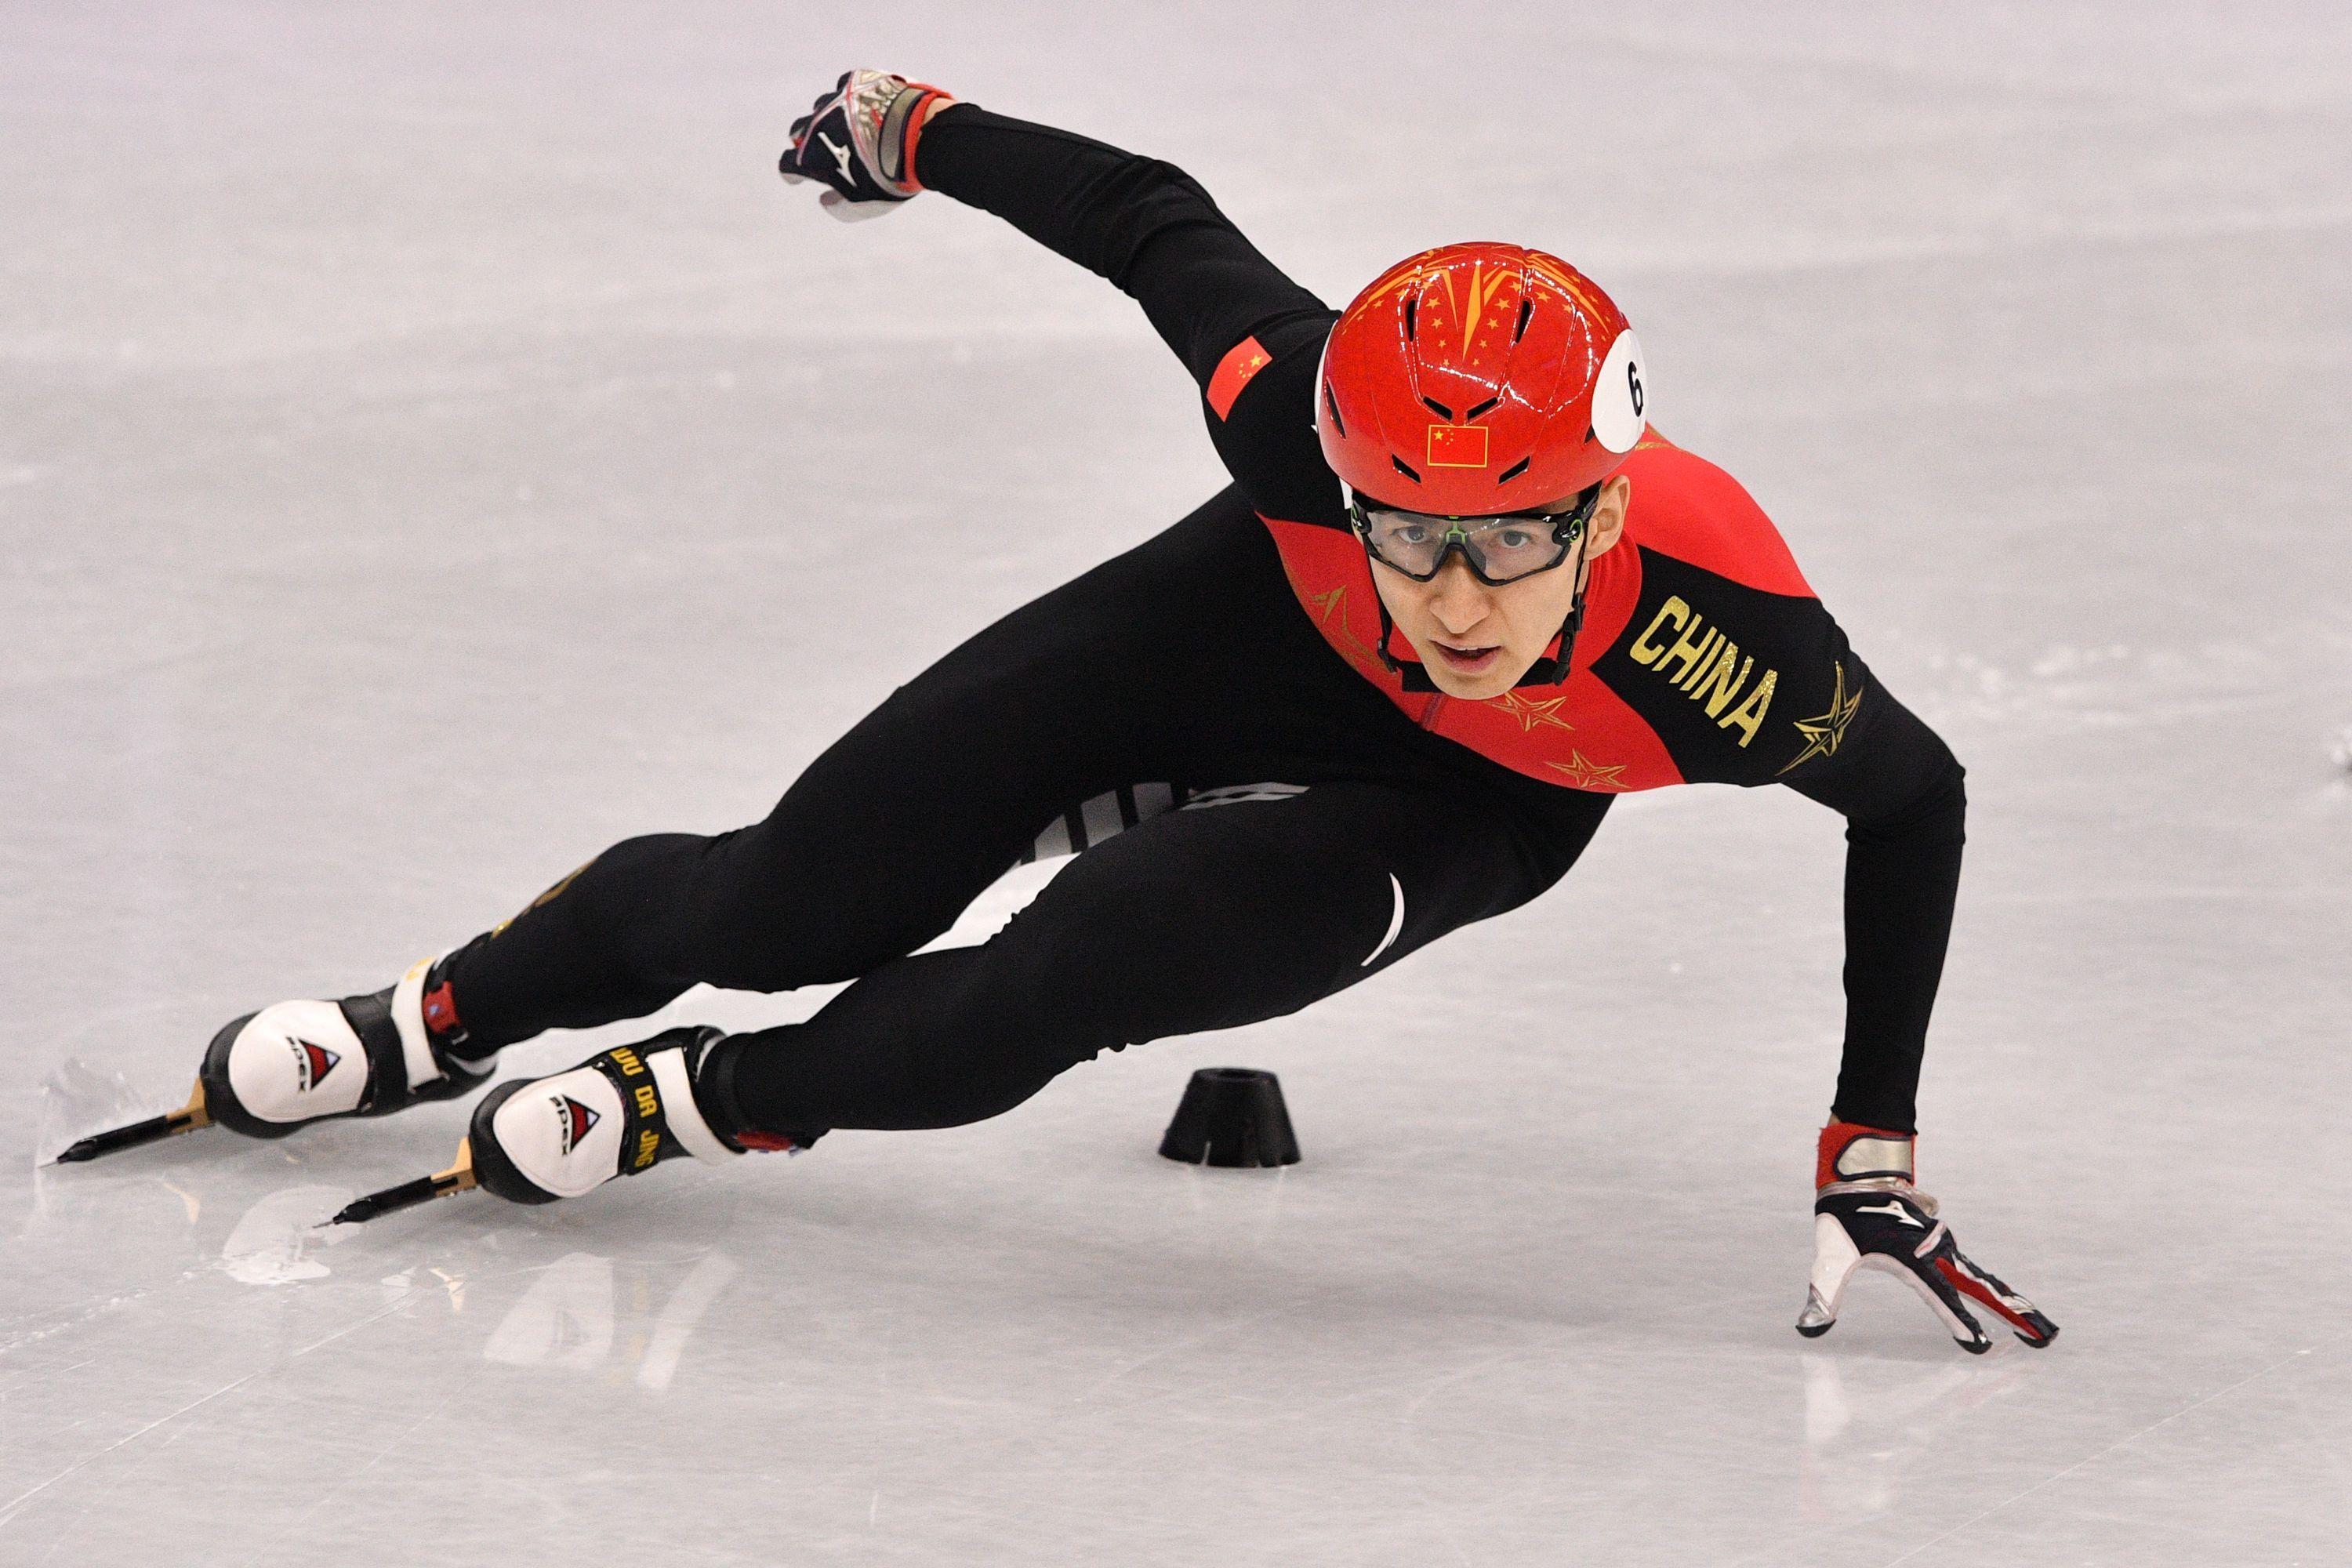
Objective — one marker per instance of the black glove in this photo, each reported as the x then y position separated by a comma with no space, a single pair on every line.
860,141
1867,1215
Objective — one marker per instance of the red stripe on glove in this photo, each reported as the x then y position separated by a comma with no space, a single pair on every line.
1837,1135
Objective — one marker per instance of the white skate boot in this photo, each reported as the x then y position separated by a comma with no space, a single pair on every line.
294,1063
619,1112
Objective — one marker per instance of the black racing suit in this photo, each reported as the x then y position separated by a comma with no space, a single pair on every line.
1323,834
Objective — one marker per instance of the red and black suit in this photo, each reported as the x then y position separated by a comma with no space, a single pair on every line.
1269,810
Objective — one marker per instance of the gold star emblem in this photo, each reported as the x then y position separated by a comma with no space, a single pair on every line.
1825,733
1334,623
1586,774
1531,714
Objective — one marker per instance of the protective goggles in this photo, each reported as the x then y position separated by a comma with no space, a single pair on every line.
1497,550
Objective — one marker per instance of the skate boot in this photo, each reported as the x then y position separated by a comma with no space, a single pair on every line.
619,1112
294,1063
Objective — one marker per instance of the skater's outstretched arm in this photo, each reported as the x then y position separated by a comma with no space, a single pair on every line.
1902,794
1734,662
1249,335
1143,223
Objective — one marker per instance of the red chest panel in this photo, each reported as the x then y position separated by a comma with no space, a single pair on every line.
1579,733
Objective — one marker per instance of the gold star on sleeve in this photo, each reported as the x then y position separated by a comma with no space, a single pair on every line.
1825,732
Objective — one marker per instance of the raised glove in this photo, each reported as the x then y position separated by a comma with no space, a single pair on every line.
1867,1215
860,141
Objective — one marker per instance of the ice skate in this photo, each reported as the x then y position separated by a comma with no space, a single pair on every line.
293,1063
621,1111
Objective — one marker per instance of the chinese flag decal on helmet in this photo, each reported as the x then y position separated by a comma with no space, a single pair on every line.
1479,378
1457,445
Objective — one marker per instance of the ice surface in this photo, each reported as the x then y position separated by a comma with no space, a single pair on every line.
433,445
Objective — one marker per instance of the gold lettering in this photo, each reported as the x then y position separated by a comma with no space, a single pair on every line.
1706,659
1708,666
1685,650
1719,688
1643,650
627,1061
648,1102
648,1144
1749,717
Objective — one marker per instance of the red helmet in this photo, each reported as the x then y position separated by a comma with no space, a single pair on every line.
1479,378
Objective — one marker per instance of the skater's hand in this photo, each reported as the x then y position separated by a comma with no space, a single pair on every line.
859,140
1867,1215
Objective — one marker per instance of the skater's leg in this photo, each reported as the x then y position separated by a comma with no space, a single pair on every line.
1203,919
889,835
875,851
1199,919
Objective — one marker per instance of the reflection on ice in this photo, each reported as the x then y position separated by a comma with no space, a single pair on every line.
682,1316
1869,1421
276,1241
565,1318
569,1316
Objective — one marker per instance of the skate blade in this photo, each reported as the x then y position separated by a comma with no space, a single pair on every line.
171,1124
458,1178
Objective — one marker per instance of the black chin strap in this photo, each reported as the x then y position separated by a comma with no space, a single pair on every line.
1552,671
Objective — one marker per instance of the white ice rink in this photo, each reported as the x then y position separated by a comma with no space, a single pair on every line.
433,445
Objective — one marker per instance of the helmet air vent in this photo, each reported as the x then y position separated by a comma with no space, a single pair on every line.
1527,310
1513,471
1409,304
1484,407
1332,403
1436,407
1401,468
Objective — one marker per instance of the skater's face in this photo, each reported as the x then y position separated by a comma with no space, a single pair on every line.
1476,640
